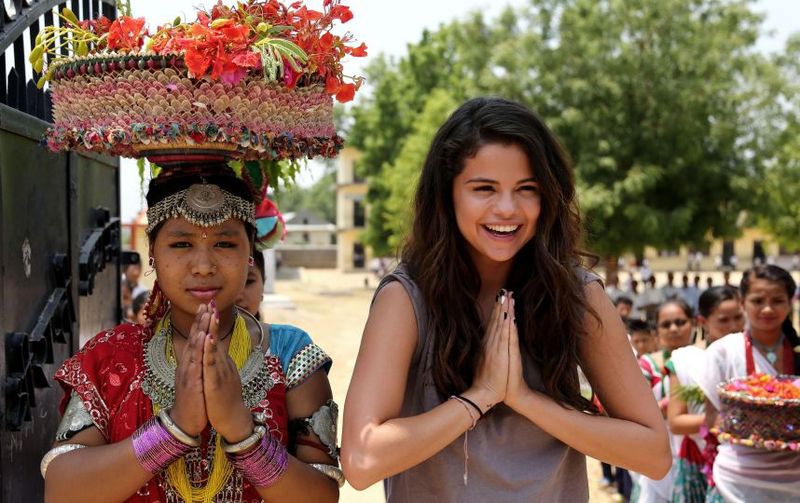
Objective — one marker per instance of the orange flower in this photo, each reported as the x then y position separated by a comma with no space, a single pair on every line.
126,34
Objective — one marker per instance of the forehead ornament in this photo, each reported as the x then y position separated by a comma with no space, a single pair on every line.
203,205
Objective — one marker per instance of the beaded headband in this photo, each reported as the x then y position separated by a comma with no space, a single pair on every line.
202,204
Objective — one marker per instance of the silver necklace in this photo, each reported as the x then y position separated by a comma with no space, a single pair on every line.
771,352
159,379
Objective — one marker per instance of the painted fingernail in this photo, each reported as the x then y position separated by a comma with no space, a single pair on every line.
213,304
216,314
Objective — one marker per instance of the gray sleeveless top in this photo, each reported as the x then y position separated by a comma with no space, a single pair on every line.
510,458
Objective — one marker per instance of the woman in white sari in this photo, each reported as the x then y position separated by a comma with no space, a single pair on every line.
768,345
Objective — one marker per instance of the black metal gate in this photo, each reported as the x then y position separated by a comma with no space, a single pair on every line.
59,249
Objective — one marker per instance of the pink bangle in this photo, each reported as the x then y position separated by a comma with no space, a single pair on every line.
155,448
264,464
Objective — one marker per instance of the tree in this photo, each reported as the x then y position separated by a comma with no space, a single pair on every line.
441,60
779,195
654,100
402,176
319,197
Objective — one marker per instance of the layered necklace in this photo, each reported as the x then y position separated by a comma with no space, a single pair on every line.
159,385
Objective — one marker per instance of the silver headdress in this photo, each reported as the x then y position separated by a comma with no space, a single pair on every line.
202,204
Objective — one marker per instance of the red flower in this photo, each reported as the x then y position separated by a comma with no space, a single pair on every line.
125,33
332,85
346,93
358,52
342,13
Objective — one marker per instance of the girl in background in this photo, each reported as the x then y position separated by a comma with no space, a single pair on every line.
719,314
674,326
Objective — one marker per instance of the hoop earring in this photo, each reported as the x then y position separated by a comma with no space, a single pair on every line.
251,261
152,264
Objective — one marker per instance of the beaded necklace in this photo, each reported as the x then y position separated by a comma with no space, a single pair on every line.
177,475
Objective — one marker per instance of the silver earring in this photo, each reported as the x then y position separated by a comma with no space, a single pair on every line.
251,261
152,264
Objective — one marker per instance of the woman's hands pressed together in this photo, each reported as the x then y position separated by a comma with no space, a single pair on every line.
517,388
222,388
189,410
499,377
208,388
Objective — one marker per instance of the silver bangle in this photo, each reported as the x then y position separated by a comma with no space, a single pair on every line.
254,438
54,453
174,430
333,472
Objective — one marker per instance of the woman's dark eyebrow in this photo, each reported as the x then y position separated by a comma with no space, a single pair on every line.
481,180
489,180
226,233
180,234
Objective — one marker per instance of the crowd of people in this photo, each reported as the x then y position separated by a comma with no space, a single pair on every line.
466,387
687,345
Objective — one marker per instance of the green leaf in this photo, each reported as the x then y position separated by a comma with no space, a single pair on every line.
41,81
82,48
278,29
689,394
140,166
253,169
236,166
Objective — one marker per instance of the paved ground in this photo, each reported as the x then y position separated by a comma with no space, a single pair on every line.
333,308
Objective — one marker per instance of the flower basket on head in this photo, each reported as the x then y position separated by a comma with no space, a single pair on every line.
761,411
251,82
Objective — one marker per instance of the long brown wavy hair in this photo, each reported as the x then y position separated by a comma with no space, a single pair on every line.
550,302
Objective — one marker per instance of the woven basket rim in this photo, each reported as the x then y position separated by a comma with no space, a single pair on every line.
741,396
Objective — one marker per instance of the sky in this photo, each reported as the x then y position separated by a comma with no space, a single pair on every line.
388,26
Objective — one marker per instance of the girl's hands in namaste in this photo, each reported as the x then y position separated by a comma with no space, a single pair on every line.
492,374
189,410
517,386
222,388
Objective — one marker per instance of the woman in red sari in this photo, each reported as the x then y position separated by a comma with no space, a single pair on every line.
204,403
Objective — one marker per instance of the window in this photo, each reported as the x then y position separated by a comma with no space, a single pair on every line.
358,214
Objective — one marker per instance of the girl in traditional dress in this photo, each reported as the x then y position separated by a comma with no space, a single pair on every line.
768,345
674,326
466,384
204,403
720,314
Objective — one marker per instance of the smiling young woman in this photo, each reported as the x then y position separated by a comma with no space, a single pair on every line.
202,403
466,385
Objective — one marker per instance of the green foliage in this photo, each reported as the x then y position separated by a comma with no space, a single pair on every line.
665,107
403,174
691,395
319,198
779,195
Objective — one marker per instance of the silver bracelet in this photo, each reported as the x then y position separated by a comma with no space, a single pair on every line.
333,472
54,453
174,430
254,438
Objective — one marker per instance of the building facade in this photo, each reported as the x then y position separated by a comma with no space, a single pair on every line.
351,213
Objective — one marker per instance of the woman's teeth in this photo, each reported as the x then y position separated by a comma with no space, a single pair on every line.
502,229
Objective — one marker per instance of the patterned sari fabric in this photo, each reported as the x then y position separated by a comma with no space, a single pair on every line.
107,376
690,483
